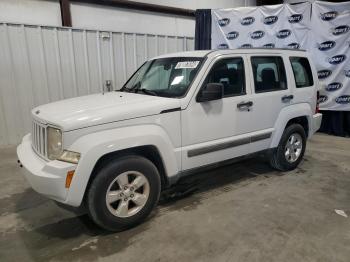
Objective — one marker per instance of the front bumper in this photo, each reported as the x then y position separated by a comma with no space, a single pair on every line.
316,122
45,177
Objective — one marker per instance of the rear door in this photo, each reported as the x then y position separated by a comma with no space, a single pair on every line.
270,94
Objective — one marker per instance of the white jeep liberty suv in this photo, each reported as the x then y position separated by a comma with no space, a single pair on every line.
115,152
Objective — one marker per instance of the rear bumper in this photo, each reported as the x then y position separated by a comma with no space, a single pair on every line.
45,177
316,123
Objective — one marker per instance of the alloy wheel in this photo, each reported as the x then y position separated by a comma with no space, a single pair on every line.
293,147
127,194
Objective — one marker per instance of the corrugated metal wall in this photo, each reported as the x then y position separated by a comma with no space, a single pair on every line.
40,64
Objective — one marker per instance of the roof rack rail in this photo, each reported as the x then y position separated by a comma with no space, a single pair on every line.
265,48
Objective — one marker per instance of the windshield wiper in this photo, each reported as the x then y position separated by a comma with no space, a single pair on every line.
134,87
146,91
137,87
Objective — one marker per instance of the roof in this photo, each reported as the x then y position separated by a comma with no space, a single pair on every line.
197,53
203,53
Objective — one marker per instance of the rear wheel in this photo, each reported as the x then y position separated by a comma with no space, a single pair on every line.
123,193
290,150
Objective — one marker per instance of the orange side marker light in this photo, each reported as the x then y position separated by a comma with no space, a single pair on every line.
69,178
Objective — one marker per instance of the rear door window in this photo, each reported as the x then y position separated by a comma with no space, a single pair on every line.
269,73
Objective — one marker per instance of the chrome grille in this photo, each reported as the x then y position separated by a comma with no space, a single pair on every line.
39,138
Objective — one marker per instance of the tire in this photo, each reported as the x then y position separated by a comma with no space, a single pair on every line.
140,200
280,158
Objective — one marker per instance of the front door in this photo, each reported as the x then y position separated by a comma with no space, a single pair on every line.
218,130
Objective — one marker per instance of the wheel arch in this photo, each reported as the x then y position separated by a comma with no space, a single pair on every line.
299,113
149,152
151,142
301,120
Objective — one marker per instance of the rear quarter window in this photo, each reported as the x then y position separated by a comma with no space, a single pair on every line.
302,72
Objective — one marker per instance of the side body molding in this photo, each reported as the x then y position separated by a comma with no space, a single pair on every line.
95,145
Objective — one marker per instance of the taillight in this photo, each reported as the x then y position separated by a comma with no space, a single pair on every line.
317,110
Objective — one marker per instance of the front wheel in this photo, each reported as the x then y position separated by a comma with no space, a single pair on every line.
123,193
290,150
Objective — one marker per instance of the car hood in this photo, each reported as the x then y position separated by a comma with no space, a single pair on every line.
99,109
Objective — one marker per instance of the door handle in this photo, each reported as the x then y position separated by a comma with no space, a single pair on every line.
287,98
245,105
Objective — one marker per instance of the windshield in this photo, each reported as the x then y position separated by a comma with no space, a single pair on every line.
168,77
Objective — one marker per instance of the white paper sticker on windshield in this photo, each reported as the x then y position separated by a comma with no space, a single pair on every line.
186,64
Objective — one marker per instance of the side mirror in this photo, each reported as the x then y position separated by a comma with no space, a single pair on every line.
212,91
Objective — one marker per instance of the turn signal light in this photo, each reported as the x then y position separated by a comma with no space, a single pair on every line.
69,178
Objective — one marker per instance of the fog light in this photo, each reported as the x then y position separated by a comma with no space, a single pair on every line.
69,178
70,157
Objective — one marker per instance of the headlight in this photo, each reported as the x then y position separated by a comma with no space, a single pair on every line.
70,156
54,143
